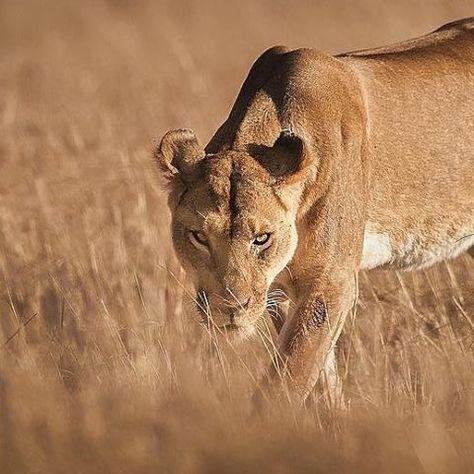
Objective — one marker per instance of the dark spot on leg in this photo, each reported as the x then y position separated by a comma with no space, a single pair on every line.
318,313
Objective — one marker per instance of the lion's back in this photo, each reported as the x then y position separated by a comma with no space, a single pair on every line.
457,35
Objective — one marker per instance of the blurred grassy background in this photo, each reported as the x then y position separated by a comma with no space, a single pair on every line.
101,367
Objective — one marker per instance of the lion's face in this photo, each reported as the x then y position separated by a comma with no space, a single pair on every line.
233,235
233,226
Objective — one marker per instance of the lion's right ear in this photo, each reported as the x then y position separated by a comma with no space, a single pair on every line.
178,153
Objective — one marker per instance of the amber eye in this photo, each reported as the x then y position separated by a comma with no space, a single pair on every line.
198,238
262,241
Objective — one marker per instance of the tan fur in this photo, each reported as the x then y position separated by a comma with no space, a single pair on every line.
357,161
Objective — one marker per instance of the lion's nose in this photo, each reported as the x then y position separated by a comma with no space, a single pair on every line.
239,300
244,304
239,303
239,310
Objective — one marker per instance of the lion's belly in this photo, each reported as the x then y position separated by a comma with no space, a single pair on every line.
414,248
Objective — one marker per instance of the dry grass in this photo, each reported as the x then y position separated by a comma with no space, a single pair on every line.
101,369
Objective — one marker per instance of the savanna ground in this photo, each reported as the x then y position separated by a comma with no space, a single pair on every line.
102,368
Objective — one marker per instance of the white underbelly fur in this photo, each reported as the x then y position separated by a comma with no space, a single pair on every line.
377,250
417,250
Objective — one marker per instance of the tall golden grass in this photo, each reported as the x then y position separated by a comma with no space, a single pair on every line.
102,369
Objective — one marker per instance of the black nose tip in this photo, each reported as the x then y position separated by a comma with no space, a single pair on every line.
240,305
238,300
245,304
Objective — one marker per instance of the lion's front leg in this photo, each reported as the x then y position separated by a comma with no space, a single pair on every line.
332,381
278,313
306,345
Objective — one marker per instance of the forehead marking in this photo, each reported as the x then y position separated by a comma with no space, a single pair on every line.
279,199
233,204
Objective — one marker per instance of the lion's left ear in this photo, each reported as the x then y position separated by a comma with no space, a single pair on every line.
287,159
178,153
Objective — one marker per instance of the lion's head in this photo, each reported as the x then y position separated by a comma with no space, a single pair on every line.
233,220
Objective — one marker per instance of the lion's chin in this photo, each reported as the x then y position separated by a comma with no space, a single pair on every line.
234,333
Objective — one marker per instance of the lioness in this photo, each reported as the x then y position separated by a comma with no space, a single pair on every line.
324,167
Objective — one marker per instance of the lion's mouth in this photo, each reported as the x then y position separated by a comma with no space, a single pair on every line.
236,323
231,327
